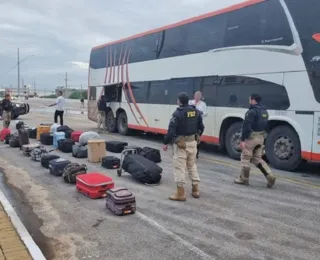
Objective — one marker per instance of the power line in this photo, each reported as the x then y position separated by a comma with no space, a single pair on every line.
10,69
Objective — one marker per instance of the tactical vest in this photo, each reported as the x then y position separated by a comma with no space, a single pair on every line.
261,122
188,124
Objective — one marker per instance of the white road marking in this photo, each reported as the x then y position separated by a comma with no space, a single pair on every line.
191,247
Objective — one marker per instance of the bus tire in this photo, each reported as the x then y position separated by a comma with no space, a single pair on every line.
283,148
111,122
122,124
232,140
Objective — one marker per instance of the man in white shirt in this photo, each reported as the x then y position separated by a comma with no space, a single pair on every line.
201,106
60,104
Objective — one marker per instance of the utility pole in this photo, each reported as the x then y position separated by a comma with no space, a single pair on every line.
22,83
66,87
18,74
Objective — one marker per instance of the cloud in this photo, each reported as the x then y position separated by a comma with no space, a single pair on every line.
60,33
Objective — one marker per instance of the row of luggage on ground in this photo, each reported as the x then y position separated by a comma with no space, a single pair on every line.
139,162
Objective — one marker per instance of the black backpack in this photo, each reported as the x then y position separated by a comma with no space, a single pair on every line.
65,145
14,140
151,154
71,171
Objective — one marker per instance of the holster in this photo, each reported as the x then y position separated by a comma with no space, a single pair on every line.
180,142
197,137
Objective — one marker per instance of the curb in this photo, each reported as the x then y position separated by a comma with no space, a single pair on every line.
33,249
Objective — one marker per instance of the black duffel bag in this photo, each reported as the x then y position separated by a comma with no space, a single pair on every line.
65,145
151,154
66,129
142,169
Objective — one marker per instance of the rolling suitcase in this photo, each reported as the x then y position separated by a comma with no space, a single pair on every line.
32,133
94,185
65,145
75,136
42,129
45,160
66,129
121,201
151,154
23,137
142,169
46,139
79,151
115,146
133,147
72,170
14,140
56,166
58,136
27,148
110,162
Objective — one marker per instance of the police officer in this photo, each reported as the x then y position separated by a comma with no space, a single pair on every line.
102,107
252,142
184,129
7,110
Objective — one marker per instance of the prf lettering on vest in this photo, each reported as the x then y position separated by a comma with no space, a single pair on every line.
191,113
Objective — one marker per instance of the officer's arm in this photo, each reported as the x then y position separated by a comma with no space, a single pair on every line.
247,124
200,125
172,129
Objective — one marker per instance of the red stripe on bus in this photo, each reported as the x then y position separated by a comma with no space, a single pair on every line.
114,66
215,140
130,90
190,20
204,138
123,85
119,63
107,67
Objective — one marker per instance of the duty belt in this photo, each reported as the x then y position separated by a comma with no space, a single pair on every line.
188,138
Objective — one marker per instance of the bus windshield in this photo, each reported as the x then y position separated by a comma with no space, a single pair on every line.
307,22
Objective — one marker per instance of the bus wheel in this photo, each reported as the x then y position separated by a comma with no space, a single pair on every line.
232,140
283,149
123,124
111,123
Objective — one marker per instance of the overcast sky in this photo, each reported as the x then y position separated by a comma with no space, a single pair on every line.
60,33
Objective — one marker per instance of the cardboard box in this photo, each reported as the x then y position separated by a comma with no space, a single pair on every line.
96,150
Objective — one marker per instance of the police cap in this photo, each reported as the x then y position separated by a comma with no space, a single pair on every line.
183,98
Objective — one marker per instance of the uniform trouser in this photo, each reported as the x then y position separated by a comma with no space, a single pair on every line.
253,152
101,119
6,116
57,114
185,159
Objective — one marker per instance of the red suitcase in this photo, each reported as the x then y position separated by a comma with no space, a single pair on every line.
75,135
4,133
94,185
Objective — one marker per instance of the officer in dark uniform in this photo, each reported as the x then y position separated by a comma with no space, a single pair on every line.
184,130
252,142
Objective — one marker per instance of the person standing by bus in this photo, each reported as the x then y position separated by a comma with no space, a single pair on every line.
184,129
6,110
201,106
252,142
102,107
60,104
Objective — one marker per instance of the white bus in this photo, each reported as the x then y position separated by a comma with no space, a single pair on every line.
270,47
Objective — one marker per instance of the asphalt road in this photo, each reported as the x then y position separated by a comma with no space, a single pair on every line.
227,222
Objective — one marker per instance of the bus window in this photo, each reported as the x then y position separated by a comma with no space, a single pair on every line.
140,91
158,92
307,21
180,85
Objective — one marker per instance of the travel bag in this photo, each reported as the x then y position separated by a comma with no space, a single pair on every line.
23,136
142,169
37,153
110,162
66,129
115,146
56,166
72,170
27,148
133,147
8,138
86,136
58,136
4,133
46,139
14,140
19,125
65,145
121,201
151,154
45,159
80,151
94,185
75,136
32,133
